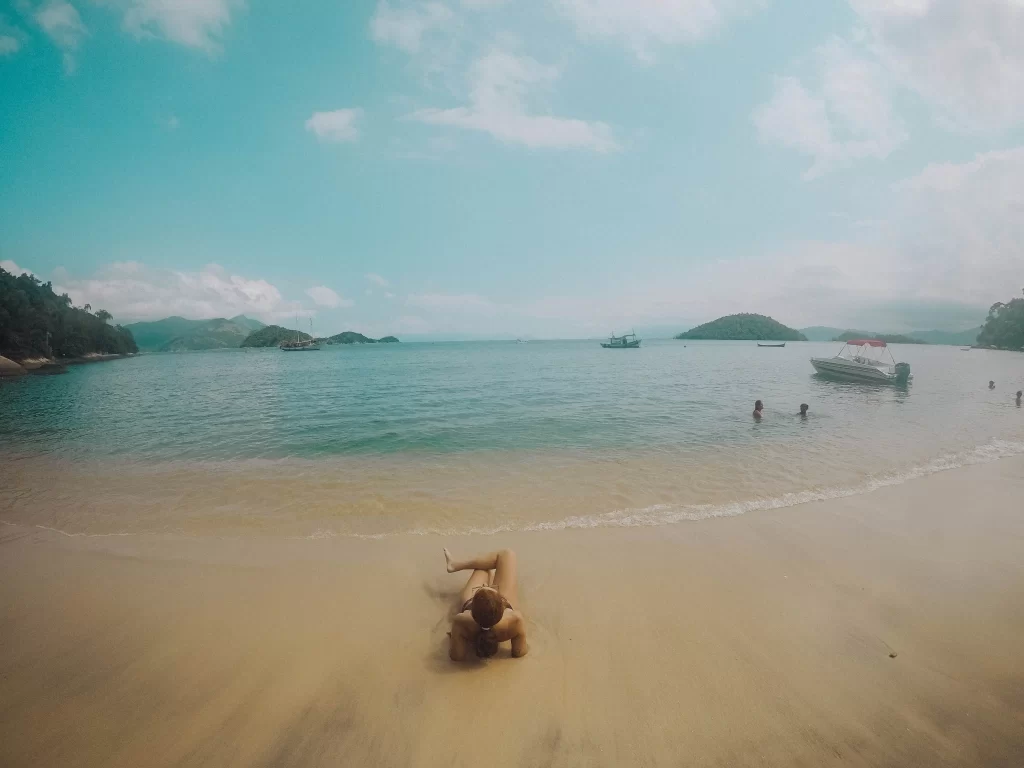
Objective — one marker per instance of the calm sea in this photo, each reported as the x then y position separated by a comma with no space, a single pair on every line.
473,437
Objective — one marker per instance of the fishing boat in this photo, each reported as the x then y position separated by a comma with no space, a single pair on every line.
864,360
626,341
301,345
771,345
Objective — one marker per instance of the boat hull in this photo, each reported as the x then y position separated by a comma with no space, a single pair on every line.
300,349
841,369
630,345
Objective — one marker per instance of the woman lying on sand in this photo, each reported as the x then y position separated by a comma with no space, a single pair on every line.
486,616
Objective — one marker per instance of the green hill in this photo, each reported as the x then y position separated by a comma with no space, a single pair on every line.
888,338
36,322
272,336
744,327
247,322
1004,327
177,334
955,338
351,337
821,332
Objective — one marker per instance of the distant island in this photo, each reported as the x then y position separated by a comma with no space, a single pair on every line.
37,324
177,334
953,338
888,338
744,327
272,336
351,337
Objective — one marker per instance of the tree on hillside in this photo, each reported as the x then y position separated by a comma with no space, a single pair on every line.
30,312
1004,326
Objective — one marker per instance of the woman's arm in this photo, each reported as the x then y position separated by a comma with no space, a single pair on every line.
461,634
519,645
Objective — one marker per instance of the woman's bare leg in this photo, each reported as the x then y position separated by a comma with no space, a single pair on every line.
505,571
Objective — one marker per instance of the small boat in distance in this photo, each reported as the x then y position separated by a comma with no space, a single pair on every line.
864,360
301,345
626,341
771,345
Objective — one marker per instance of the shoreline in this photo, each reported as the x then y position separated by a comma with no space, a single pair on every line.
760,639
41,366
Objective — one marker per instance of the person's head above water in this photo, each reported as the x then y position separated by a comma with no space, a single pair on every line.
487,608
1019,392
991,385
803,409
758,405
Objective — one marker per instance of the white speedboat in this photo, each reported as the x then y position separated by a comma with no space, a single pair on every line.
864,360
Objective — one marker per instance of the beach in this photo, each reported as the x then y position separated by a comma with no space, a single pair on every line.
877,629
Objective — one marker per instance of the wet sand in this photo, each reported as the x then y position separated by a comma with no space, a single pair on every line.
763,639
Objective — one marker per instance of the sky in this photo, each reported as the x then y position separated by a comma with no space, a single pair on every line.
517,168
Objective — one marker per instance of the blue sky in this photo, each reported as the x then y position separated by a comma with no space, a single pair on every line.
544,168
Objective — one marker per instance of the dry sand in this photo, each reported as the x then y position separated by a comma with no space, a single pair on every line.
757,640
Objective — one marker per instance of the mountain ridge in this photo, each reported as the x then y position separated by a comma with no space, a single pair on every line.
179,334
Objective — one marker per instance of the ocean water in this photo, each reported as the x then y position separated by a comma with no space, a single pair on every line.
479,437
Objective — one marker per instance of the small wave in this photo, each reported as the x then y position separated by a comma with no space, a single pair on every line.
666,514
663,514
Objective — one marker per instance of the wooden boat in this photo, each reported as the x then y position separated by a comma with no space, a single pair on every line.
627,341
771,345
301,345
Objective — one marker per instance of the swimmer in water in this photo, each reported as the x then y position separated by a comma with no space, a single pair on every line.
758,407
803,410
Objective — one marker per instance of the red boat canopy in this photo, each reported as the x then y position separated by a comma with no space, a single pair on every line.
866,343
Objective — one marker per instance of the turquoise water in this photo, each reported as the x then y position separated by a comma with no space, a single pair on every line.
482,435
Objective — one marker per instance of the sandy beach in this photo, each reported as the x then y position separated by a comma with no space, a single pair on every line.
880,629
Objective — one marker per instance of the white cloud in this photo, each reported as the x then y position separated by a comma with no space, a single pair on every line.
337,126
405,27
325,297
642,24
388,295
500,83
377,279
192,23
62,24
849,117
13,268
964,226
9,45
951,248
963,57
134,291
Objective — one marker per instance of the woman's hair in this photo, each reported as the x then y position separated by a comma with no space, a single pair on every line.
757,405
486,643
487,609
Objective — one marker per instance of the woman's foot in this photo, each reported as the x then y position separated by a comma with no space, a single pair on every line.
448,561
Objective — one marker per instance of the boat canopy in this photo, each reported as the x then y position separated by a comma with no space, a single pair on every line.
866,343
